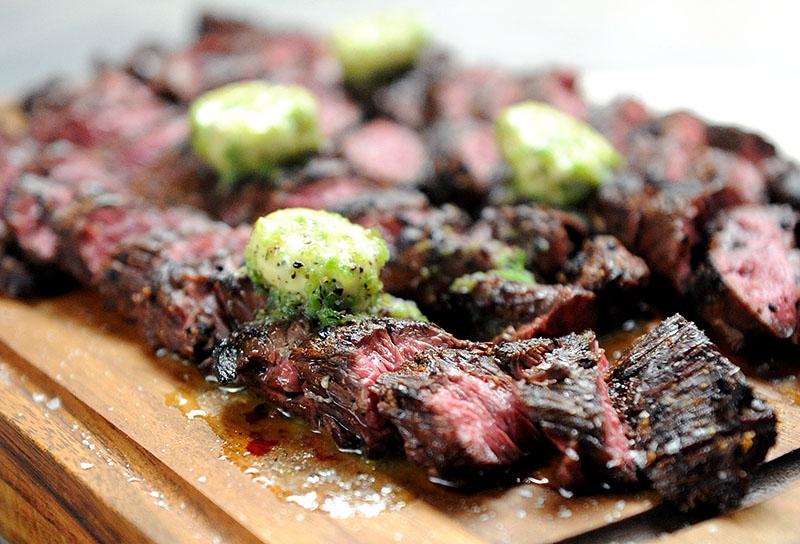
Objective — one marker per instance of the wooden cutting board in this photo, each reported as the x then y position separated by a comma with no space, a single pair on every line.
103,441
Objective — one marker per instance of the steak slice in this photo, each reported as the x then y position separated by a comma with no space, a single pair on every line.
748,145
467,161
662,223
618,120
326,377
458,413
783,178
547,236
186,291
698,425
112,107
428,257
406,98
483,306
750,281
563,386
605,267
388,152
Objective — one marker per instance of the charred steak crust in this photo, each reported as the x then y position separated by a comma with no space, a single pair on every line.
548,237
604,265
498,308
698,426
562,381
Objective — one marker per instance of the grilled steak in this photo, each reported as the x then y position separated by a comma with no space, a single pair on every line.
327,377
697,423
483,92
486,306
430,255
605,267
783,178
388,152
406,97
547,236
563,386
224,53
458,414
618,120
115,113
467,161
663,223
747,145
750,281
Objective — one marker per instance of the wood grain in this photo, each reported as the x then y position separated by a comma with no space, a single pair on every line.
776,520
113,459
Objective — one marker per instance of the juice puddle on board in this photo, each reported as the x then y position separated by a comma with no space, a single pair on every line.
285,455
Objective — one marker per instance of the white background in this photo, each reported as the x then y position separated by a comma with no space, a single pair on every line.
733,61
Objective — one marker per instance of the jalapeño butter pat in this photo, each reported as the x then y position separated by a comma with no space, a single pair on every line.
316,263
554,157
376,46
252,127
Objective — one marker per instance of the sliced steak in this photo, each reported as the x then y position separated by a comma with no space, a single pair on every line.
228,53
750,281
476,92
665,149
564,388
606,267
428,257
662,223
113,111
388,152
337,113
327,377
467,161
697,423
547,236
557,87
458,414
783,179
406,98
485,306
748,145
618,121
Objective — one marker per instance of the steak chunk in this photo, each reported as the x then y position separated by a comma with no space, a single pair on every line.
662,223
187,292
749,281
547,236
607,268
459,415
388,152
327,377
697,423
563,386
406,98
468,163
748,145
432,249
783,178
486,305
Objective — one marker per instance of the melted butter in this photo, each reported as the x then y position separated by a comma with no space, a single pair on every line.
285,456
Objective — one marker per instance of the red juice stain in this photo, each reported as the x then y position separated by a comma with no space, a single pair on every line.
261,446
